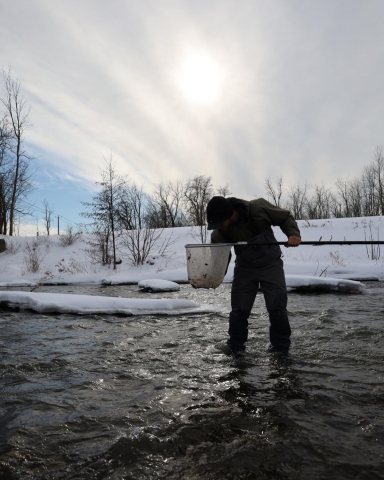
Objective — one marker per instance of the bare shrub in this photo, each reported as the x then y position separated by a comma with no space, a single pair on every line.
140,243
100,248
337,259
13,246
69,238
201,234
73,265
374,251
34,255
166,244
44,241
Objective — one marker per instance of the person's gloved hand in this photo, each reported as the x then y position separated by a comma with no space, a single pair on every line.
293,242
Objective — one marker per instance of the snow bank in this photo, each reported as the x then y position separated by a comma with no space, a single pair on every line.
19,283
156,285
72,264
89,304
303,283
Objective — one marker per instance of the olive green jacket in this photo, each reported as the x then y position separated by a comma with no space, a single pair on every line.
256,216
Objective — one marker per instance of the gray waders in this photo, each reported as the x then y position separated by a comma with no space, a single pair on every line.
259,267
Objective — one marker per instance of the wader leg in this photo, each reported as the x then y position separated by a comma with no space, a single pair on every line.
243,294
275,294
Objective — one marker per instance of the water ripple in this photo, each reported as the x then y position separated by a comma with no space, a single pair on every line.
156,397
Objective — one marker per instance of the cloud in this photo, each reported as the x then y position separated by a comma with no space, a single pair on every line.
301,87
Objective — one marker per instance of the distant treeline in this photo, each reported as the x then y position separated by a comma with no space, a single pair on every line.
351,197
123,213
177,204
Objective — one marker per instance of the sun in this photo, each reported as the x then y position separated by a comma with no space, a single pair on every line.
200,79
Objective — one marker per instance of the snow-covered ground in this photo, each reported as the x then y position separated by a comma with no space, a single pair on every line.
156,285
90,304
327,267
304,265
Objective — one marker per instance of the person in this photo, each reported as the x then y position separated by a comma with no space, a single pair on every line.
234,220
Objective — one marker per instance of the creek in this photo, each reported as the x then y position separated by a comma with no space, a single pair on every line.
147,397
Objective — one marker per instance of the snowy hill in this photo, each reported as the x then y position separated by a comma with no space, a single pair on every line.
44,260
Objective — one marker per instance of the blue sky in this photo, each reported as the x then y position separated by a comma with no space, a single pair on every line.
239,91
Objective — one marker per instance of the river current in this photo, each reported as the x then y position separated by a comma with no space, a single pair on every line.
148,397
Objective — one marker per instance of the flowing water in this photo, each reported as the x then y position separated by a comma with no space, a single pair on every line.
147,397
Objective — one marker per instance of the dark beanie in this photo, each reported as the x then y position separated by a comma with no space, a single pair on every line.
218,210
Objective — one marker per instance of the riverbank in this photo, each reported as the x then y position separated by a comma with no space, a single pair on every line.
55,263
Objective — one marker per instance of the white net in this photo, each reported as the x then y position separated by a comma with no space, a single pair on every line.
207,264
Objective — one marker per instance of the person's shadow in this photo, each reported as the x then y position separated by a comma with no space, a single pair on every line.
263,388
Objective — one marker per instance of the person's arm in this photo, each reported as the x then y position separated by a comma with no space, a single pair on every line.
293,241
291,229
283,218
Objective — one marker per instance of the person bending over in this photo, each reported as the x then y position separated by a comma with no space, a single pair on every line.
234,220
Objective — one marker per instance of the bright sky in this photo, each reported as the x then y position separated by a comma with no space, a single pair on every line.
239,91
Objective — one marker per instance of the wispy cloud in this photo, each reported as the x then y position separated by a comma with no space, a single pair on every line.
301,87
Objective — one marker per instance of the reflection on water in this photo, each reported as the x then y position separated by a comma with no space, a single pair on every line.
156,397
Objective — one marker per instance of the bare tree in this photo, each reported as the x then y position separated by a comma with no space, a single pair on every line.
297,200
109,185
369,187
320,205
132,207
104,211
5,170
357,198
224,191
378,171
140,242
37,225
17,113
275,193
48,213
197,193
344,192
138,235
119,212
165,206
